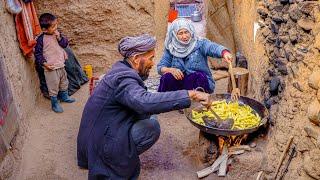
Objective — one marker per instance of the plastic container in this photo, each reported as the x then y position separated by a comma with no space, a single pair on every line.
93,83
88,70
173,14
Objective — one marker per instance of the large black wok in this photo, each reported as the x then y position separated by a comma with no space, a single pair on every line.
257,106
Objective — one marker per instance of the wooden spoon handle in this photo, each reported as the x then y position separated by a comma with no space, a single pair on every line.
216,115
233,81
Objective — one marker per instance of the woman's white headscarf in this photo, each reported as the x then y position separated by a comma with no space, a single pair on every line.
174,45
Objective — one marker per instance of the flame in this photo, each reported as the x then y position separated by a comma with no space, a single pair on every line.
230,141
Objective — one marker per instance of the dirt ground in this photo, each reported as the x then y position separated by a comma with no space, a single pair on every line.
49,151
49,143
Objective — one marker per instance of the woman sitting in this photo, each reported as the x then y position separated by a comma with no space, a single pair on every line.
184,64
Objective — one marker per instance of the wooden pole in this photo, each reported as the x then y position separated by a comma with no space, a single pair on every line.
283,155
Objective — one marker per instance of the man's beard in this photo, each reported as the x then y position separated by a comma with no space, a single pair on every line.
143,71
144,76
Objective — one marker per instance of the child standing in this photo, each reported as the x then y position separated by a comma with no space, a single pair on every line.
50,54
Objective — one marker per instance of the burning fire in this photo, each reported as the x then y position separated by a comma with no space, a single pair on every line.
230,141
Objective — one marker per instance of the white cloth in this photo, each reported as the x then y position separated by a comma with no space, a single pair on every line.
176,47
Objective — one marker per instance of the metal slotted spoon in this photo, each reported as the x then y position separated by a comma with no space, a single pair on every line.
221,122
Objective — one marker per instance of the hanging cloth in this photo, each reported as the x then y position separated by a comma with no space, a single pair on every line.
28,27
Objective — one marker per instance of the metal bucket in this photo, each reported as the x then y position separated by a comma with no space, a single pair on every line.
196,16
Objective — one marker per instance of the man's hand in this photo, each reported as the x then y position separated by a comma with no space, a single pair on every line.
48,67
177,73
227,57
201,97
57,34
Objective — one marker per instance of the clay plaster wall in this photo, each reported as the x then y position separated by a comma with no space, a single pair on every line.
219,24
160,29
230,23
19,72
94,27
22,80
244,15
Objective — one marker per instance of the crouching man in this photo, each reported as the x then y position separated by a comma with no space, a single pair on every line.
118,121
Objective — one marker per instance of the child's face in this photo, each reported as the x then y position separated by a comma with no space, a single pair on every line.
53,28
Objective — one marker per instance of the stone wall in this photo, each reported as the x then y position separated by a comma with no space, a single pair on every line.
289,33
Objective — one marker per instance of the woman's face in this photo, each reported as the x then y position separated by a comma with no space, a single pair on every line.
183,35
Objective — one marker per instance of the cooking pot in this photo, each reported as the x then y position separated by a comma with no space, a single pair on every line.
196,16
255,105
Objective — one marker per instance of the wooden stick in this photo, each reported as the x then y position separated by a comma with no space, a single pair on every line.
283,155
223,166
259,175
213,167
230,153
235,93
241,147
233,81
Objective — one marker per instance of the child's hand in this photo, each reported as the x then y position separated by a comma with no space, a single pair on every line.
49,67
57,34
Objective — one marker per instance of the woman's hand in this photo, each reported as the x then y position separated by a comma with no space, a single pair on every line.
227,57
177,73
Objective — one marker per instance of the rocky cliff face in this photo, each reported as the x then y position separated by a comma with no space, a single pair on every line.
289,30
284,71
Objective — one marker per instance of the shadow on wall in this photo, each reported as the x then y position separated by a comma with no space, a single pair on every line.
219,27
231,23
8,113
